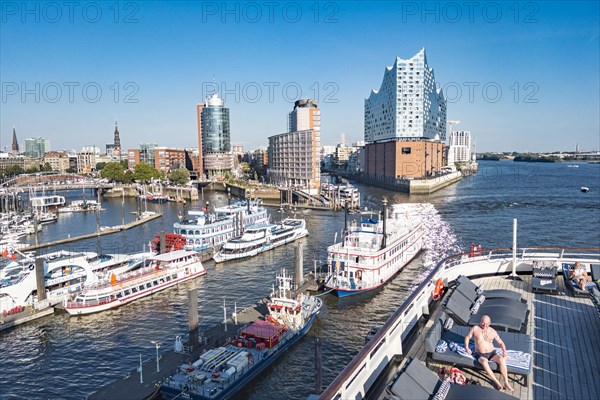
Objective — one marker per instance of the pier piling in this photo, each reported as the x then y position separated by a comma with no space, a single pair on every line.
193,316
163,246
39,279
318,367
299,270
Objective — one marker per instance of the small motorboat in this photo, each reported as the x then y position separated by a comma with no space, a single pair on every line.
585,189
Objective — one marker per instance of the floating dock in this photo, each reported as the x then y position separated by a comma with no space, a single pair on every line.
130,388
108,231
28,314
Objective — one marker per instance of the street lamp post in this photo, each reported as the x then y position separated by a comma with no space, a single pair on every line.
157,344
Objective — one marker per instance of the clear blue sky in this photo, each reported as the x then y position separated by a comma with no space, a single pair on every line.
542,56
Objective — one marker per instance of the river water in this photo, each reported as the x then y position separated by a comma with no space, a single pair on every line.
59,357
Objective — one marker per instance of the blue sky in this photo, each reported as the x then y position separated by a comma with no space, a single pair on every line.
520,76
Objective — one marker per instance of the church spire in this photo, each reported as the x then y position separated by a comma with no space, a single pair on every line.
15,144
117,140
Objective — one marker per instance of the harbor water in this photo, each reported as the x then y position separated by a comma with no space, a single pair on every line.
62,357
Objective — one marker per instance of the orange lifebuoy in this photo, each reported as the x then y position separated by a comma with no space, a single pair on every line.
439,289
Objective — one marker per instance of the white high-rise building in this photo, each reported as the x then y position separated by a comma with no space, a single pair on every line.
408,105
305,116
459,147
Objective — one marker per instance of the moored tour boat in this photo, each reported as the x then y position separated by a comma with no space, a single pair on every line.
262,237
220,372
371,253
64,275
206,231
81,206
160,272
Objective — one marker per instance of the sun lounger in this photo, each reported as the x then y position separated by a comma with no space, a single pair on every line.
515,307
577,291
501,318
595,268
488,293
447,346
417,381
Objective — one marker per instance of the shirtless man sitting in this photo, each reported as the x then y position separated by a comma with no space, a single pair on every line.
484,337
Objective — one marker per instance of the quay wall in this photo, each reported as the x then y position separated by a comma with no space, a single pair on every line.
410,186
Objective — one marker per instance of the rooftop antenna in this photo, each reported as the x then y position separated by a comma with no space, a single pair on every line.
214,84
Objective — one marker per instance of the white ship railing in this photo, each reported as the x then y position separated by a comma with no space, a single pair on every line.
359,375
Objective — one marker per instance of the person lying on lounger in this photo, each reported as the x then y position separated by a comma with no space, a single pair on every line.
484,336
579,276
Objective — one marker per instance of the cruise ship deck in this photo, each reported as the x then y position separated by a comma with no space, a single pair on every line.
565,330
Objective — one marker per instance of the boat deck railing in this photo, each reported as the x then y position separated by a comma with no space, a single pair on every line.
359,375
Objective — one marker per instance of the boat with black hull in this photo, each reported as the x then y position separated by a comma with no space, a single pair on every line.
220,372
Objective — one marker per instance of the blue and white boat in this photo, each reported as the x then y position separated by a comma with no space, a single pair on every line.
206,231
222,371
262,237
373,251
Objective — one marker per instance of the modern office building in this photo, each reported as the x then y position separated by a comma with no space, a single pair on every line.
145,154
161,158
294,159
216,158
305,116
36,147
168,160
459,147
405,123
407,105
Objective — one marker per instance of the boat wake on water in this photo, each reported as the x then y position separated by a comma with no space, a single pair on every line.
440,242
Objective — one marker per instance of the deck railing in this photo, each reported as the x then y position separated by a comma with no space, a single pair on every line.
360,374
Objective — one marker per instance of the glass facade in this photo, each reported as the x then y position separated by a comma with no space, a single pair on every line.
36,147
215,130
147,153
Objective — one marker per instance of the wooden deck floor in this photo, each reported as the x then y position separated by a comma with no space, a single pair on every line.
566,334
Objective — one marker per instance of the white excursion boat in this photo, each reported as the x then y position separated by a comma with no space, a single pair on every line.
81,206
258,238
64,274
160,272
350,195
205,231
47,202
371,253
